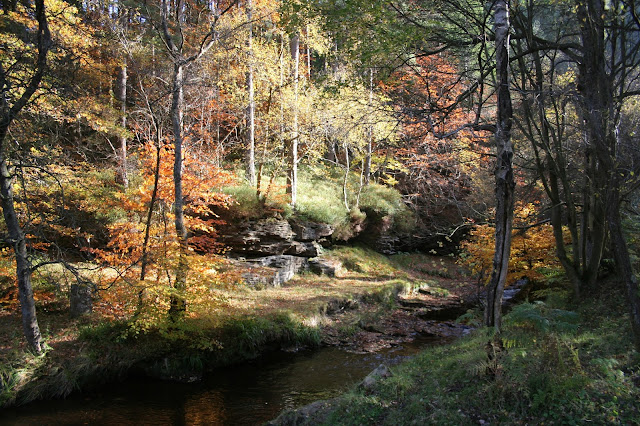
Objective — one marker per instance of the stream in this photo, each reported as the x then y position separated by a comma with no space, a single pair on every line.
248,394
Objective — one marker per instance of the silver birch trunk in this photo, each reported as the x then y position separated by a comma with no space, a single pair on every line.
17,238
367,161
293,149
505,183
251,108
122,95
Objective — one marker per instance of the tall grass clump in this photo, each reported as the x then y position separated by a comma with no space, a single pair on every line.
247,204
386,201
320,200
248,337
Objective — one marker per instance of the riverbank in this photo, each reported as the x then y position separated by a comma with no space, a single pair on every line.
554,363
357,310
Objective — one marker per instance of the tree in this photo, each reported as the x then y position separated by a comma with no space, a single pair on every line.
292,179
251,108
172,23
14,100
505,183
573,93
608,63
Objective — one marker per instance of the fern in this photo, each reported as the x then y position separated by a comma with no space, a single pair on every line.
539,317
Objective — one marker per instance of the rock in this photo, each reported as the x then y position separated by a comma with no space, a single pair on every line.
311,231
276,237
327,267
379,373
272,271
280,248
312,414
262,237
306,249
81,299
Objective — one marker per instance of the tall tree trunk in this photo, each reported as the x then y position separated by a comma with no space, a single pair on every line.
308,53
178,303
623,260
144,261
23,266
16,235
347,167
367,160
292,186
505,183
122,97
251,108
599,110
281,62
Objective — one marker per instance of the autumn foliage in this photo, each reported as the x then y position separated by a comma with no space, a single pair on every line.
441,157
532,248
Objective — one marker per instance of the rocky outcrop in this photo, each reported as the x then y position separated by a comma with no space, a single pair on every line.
267,237
312,231
258,238
274,250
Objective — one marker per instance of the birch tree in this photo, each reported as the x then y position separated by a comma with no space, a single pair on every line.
172,22
13,100
505,183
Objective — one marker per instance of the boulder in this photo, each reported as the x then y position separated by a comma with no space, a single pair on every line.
369,382
272,271
81,299
327,267
312,414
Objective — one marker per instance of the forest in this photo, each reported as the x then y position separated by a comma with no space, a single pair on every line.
187,185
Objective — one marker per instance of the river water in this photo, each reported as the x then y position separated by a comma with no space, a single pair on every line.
249,394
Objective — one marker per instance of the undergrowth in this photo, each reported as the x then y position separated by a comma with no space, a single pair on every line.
550,365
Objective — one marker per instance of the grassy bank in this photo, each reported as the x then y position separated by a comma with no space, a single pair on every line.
554,363
243,324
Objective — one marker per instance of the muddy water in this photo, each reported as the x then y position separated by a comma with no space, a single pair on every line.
244,395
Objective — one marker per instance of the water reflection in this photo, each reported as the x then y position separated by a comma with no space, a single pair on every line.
244,395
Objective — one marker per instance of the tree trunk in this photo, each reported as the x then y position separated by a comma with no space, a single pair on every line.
23,267
251,108
308,52
347,167
178,303
600,113
122,97
144,261
623,261
16,235
367,161
505,183
292,186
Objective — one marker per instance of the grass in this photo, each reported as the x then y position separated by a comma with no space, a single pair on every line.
550,365
321,199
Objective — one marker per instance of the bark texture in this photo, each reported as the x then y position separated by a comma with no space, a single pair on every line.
292,184
16,235
505,183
